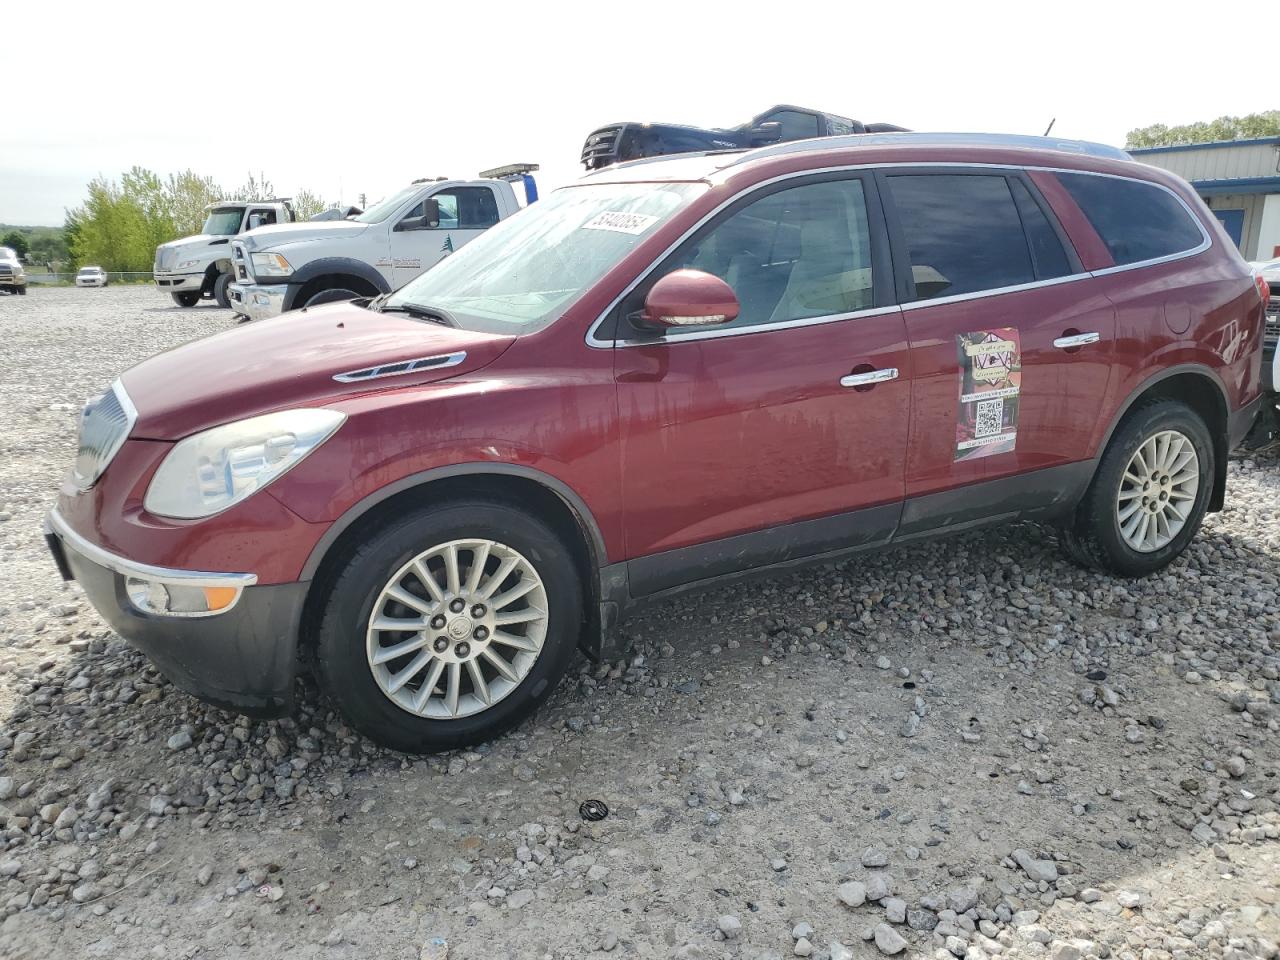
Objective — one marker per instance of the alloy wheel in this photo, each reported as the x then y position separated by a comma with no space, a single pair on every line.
1158,491
457,629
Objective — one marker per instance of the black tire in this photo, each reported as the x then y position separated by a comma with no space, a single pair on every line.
220,294
1093,539
331,295
188,299
22,291
341,660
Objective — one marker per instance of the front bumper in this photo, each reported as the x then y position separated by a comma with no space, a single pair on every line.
179,282
13,282
242,658
258,301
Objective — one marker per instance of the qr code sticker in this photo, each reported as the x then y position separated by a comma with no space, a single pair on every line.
990,417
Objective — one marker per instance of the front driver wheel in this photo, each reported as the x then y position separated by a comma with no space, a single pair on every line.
1150,493
449,626
188,299
220,294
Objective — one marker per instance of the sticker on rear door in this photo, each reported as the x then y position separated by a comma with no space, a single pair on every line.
617,222
990,384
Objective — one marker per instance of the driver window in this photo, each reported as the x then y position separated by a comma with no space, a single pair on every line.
795,254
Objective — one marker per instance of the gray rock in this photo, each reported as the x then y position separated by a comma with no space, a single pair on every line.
1037,870
895,910
729,925
888,940
180,740
918,919
874,857
852,894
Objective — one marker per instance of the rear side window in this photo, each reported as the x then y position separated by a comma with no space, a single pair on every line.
963,233
1137,221
1047,253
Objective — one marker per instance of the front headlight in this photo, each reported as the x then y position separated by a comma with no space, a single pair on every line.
188,263
270,265
214,470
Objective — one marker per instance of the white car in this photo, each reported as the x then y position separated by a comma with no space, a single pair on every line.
91,277
1270,271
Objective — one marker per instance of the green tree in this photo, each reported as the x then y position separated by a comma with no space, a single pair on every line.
1248,127
17,242
189,194
307,204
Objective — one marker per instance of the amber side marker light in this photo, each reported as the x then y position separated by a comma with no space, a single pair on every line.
219,598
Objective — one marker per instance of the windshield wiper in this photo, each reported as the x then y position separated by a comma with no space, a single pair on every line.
430,314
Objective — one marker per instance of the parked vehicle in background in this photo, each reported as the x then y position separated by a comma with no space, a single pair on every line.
307,264
619,142
1267,430
13,278
200,267
667,376
91,277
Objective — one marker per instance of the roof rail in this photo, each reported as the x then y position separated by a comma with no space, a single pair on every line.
942,139
510,171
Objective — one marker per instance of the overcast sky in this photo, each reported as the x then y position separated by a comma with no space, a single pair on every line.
366,97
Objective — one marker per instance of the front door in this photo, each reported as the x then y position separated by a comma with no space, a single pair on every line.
1010,344
465,213
782,434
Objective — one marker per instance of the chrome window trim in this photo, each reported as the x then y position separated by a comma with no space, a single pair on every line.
144,571
721,175
415,365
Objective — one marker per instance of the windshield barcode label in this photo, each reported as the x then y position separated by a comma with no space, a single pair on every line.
633,223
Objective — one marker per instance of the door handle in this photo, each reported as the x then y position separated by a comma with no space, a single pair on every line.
869,378
1078,340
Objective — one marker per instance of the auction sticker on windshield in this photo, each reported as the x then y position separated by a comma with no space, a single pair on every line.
617,222
990,384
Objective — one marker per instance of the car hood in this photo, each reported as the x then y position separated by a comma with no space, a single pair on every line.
199,241
264,238
291,361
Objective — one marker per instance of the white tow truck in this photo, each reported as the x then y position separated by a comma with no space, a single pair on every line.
200,266
296,265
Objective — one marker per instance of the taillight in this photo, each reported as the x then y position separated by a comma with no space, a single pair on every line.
1264,289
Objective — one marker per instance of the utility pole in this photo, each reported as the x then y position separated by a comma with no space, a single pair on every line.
362,201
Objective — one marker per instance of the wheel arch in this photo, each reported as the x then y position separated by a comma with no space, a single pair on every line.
1200,388
549,499
323,273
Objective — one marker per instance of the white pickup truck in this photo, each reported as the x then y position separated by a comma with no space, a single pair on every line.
200,266
296,265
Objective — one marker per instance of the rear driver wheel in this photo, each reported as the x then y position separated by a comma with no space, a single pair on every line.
450,626
1149,495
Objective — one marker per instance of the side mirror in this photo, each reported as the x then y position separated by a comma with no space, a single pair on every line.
690,298
255,221
431,212
763,133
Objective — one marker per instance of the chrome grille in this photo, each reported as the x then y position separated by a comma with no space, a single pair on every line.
6,270
104,426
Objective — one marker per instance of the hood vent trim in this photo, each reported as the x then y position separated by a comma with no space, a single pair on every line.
402,367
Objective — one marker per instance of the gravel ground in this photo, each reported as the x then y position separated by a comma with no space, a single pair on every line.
969,749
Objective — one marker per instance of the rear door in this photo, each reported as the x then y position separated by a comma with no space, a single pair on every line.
782,434
1011,345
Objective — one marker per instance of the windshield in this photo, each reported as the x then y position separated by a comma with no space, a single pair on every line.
380,211
223,222
526,270
88,270
6,253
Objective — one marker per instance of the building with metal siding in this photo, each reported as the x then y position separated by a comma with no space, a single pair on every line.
1238,179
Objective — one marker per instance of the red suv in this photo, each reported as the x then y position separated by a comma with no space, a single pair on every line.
672,373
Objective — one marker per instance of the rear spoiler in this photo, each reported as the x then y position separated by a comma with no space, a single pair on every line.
516,172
